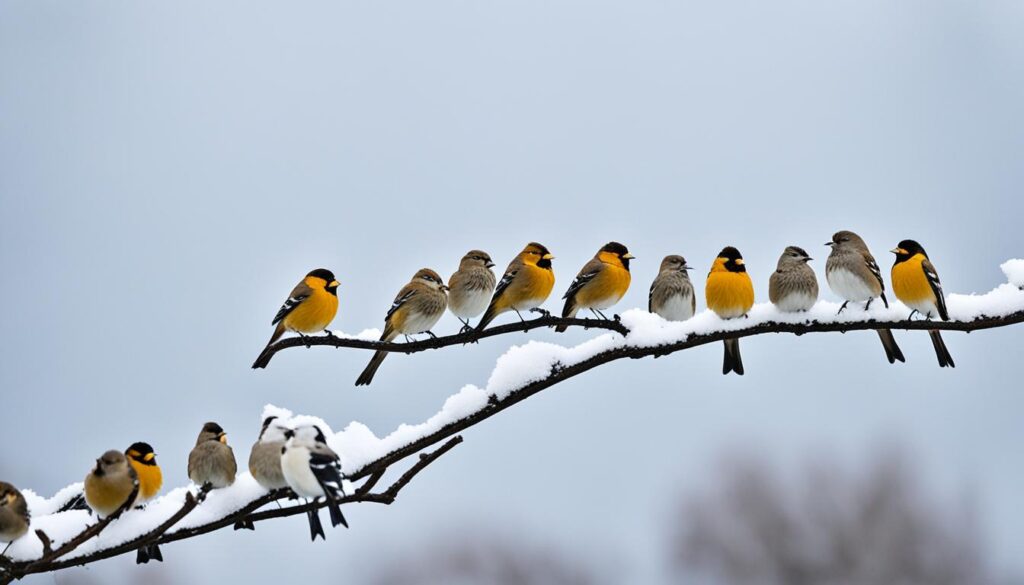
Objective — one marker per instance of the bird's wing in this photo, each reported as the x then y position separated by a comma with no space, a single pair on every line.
403,297
506,279
300,293
326,469
933,280
869,261
650,296
587,273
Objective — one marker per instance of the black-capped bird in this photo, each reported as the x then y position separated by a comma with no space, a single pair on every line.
526,284
470,288
793,286
916,283
310,308
853,274
211,463
14,516
730,294
671,294
143,460
416,309
313,470
110,484
601,283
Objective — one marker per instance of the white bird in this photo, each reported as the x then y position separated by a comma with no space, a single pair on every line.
313,470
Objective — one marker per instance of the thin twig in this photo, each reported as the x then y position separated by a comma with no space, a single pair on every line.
436,342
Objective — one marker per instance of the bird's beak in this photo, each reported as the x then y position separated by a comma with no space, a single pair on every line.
830,244
445,288
808,259
223,438
547,257
335,283
687,267
489,264
628,256
740,262
898,251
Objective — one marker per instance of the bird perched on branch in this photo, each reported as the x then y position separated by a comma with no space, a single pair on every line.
313,470
416,309
310,308
730,294
14,516
265,461
211,463
916,283
853,274
793,286
470,287
110,484
672,295
526,284
601,283
143,460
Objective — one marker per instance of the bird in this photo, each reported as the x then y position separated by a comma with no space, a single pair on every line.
416,309
310,308
601,283
853,274
265,457
211,463
143,460
470,287
730,294
313,470
916,283
672,295
14,515
525,286
793,286
111,484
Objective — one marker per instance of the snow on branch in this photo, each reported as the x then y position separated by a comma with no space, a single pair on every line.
521,372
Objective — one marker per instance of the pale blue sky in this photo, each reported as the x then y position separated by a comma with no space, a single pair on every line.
168,171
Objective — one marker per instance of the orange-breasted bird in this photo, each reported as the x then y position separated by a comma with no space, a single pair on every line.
527,283
916,283
601,283
310,308
730,294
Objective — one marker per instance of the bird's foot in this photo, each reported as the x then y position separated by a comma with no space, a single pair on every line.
518,314
431,334
868,304
544,313
842,307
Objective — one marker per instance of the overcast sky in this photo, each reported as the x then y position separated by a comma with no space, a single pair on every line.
169,170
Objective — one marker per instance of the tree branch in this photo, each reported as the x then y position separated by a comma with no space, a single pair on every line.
471,336
51,559
560,372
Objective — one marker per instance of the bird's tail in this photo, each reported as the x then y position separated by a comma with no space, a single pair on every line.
264,357
568,312
892,351
366,377
732,361
940,349
336,516
489,315
315,527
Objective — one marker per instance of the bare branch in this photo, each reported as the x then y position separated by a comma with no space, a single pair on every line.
471,336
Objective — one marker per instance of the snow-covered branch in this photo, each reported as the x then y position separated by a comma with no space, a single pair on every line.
369,339
523,371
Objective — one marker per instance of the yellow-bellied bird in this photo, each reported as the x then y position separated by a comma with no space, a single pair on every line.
310,308
601,283
143,460
212,462
527,283
471,286
853,274
730,294
417,308
793,286
14,516
916,283
672,295
109,485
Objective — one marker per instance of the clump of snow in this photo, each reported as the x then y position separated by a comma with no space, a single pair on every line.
1014,271
358,446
